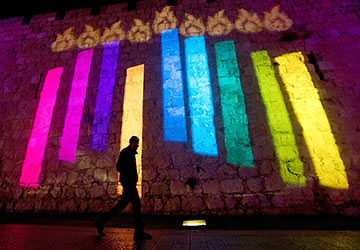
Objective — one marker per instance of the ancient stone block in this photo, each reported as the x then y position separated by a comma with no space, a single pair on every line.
97,191
177,187
173,205
192,204
232,186
211,187
273,183
100,175
254,184
159,189
214,202
230,202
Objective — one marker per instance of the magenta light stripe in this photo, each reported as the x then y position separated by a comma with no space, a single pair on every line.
70,135
35,150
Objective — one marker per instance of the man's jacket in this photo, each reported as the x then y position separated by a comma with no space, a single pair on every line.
126,166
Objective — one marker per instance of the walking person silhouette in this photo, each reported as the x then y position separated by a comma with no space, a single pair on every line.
126,166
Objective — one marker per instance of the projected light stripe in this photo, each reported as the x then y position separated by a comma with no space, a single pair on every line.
291,167
237,141
70,135
200,97
172,85
104,96
35,150
132,119
311,115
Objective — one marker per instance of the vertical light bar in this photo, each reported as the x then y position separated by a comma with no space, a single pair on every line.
291,167
200,97
311,115
104,96
35,150
237,141
132,119
70,135
172,86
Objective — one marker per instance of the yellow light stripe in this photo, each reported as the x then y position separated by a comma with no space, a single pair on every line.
132,119
311,115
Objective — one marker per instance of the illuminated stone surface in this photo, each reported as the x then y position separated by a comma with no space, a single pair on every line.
140,32
114,33
200,97
279,122
219,25
248,22
36,147
102,115
70,134
90,38
311,115
164,20
173,89
192,26
132,118
237,141
329,29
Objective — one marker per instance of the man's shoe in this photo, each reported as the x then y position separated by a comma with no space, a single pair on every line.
100,228
142,236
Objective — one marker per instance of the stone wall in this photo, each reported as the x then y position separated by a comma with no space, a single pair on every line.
175,179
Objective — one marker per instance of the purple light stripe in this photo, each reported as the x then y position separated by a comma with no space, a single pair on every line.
70,135
35,150
104,96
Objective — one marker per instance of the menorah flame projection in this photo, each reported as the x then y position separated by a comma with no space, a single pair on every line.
140,32
132,119
200,97
70,135
312,117
35,150
104,96
172,86
237,141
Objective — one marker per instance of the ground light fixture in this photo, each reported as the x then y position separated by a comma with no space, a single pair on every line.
194,223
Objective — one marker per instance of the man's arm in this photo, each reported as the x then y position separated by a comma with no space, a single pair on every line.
120,161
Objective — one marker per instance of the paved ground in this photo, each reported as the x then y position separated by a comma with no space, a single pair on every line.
21,236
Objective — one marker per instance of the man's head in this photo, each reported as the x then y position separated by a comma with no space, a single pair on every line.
134,142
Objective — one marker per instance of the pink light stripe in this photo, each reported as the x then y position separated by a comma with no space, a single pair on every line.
70,135
35,150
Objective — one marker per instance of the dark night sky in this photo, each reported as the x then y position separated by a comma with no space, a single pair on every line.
20,8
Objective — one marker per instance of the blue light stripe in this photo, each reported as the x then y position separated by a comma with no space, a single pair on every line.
172,86
200,97
104,96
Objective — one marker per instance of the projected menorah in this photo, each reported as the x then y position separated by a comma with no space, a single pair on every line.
296,81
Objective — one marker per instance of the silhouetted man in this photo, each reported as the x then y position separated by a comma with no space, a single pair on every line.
126,166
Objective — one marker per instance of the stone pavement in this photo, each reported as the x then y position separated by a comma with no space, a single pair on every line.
31,237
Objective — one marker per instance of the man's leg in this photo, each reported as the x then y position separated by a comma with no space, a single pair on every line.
136,209
124,200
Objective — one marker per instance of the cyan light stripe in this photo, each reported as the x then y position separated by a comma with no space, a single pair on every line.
200,97
237,141
104,97
172,86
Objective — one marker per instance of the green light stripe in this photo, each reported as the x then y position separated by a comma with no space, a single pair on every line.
291,167
235,120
